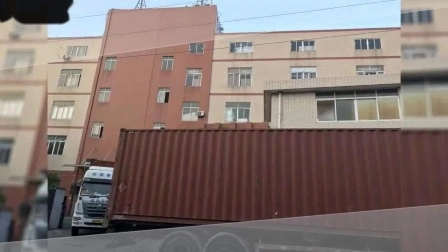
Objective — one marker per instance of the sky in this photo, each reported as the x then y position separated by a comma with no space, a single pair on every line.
88,17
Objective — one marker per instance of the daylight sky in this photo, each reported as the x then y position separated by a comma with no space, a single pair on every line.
87,17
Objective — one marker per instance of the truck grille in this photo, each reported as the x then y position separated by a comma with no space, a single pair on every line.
94,210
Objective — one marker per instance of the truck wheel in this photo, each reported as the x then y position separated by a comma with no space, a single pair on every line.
75,231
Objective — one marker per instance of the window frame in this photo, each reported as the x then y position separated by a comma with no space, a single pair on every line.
168,59
13,57
165,91
62,140
371,70
6,150
413,17
78,51
99,134
102,93
427,87
368,44
408,50
191,71
109,62
190,107
75,76
303,73
302,45
11,105
55,110
237,108
242,45
161,126
355,100
239,74
190,51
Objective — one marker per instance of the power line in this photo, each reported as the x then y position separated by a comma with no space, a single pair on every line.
259,17
261,44
250,18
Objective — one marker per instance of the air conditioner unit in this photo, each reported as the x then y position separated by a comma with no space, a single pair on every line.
14,34
201,113
66,57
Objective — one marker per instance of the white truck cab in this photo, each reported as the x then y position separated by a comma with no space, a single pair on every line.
91,204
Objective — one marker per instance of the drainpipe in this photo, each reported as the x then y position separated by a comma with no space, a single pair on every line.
279,119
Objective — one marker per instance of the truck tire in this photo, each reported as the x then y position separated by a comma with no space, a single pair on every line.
224,242
180,241
75,231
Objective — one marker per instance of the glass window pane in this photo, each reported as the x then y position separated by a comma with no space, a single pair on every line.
366,93
345,110
367,109
357,44
364,44
414,104
325,111
439,102
388,108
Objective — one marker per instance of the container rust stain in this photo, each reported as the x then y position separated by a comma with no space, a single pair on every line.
242,175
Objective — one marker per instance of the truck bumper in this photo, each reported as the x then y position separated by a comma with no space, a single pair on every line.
79,221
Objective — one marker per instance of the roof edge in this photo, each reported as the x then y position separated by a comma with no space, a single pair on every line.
310,31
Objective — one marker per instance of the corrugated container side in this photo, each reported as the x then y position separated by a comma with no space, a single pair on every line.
242,175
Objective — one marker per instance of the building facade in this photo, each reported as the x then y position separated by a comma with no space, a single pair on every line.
71,73
23,79
251,69
161,79
424,36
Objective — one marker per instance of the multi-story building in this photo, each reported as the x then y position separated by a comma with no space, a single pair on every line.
23,80
72,65
307,79
154,72
424,37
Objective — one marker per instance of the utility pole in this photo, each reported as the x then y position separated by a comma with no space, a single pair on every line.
141,4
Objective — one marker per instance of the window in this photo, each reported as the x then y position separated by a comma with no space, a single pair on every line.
167,62
56,144
417,17
70,78
158,126
303,73
303,46
194,77
240,77
241,47
190,111
76,50
163,95
425,100
5,150
418,51
104,95
19,61
369,70
237,111
11,105
62,110
196,48
97,130
367,44
111,63
366,105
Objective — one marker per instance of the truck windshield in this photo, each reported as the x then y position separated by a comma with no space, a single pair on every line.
96,189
